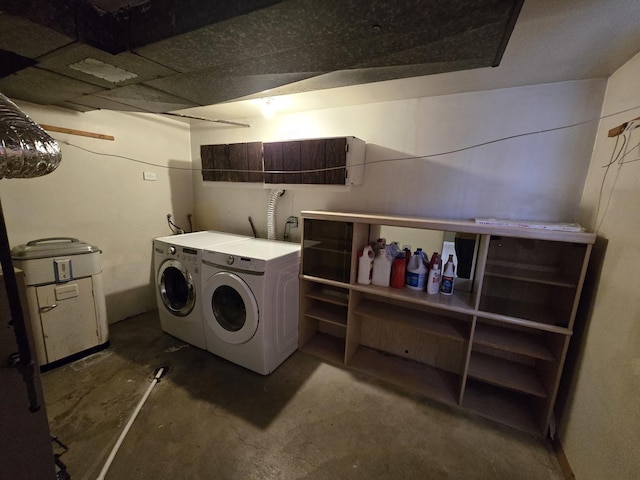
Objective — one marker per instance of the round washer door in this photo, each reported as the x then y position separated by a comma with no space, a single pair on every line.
230,308
176,288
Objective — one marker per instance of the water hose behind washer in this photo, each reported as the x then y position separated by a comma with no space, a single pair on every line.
158,374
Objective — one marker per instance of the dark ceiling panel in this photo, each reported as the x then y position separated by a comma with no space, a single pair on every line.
143,69
195,52
147,99
92,102
27,38
46,88
206,88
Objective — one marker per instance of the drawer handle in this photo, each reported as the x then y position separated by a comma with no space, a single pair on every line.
48,309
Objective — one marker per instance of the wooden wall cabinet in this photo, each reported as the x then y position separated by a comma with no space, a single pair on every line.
323,161
496,348
235,162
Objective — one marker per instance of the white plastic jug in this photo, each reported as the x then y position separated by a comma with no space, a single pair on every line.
382,269
365,262
416,273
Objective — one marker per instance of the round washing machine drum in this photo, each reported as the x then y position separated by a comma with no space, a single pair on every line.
231,309
176,288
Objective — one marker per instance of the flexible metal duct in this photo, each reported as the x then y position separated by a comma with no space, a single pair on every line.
271,214
26,150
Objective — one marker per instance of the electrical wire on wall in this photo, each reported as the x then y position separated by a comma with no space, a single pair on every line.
620,159
369,162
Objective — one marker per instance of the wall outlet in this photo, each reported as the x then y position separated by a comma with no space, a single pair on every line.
293,222
151,176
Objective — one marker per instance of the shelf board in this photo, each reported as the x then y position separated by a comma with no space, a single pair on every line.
461,302
408,374
532,275
425,321
324,281
505,407
325,347
462,226
334,297
504,373
330,313
510,340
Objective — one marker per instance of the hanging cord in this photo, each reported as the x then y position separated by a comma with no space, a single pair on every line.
158,374
618,158
175,229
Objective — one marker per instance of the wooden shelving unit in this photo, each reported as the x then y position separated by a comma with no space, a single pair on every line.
496,348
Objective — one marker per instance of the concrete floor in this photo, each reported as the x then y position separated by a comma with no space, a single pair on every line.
210,419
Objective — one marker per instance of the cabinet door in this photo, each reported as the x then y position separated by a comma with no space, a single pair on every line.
68,317
313,161
236,162
292,162
326,250
273,163
336,156
536,280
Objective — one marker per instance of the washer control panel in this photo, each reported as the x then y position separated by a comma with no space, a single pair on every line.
185,254
234,262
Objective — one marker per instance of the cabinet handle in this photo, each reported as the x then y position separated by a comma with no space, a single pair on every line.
48,309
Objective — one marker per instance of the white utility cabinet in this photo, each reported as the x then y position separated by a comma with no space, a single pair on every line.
65,293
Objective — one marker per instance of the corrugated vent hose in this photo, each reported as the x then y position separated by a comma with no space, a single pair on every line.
271,214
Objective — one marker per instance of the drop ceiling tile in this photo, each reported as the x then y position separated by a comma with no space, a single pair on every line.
28,38
42,87
60,60
206,88
75,106
146,98
93,102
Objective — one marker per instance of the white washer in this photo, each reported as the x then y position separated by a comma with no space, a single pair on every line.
177,265
250,302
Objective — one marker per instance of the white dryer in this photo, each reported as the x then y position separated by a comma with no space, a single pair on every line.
250,302
177,264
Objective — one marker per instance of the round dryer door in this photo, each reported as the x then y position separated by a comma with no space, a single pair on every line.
231,309
176,288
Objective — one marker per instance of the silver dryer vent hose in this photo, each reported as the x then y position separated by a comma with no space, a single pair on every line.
271,214
26,150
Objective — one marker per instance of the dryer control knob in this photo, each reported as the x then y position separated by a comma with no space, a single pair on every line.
172,250
230,260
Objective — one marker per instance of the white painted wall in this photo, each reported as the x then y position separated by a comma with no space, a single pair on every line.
535,177
601,432
102,199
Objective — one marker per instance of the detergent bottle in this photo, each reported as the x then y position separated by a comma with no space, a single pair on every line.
433,280
416,271
399,271
365,262
448,277
382,268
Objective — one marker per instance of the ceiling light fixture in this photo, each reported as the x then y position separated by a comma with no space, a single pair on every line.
269,107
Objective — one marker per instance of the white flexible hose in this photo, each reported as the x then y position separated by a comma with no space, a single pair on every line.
116,447
271,214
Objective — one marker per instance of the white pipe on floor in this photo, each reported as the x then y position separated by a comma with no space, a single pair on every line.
116,447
